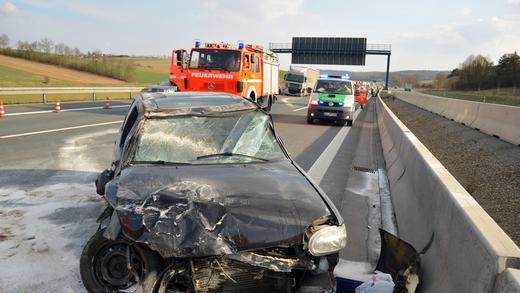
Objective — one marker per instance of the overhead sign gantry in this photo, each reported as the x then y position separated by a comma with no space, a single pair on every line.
332,51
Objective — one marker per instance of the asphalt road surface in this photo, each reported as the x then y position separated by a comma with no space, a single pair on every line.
48,204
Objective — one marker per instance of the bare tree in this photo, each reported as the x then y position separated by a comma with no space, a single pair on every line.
440,81
59,48
4,41
23,45
475,71
45,45
77,52
33,46
68,50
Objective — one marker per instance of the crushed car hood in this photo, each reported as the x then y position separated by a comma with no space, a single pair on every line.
195,211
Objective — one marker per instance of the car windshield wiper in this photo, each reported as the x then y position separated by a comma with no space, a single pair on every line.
160,162
228,154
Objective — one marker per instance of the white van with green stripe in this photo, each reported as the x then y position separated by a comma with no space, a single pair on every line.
332,99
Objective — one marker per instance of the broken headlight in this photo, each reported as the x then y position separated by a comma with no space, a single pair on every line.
328,240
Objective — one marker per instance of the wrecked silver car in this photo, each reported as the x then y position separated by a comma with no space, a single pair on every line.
203,197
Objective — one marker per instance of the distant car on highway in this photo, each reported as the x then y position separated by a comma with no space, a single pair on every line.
333,100
203,197
165,86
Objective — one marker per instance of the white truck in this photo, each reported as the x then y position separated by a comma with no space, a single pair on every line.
299,80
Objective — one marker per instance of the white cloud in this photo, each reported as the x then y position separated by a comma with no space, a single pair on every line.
514,2
450,44
7,8
252,9
466,11
37,3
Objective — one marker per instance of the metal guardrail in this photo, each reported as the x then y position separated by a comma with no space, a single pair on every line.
70,90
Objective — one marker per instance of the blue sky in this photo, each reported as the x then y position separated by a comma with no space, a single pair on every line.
432,35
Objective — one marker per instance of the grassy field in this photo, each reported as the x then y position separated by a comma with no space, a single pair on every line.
148,78
11,77
505,96
16,72
152,64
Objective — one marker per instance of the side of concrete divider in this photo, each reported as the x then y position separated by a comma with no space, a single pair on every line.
508,282
494,119
469,250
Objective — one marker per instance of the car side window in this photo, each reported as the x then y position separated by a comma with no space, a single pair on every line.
129,123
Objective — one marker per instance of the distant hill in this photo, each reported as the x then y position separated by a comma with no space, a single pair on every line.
421,75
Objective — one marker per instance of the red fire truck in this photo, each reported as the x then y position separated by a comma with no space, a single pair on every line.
250,71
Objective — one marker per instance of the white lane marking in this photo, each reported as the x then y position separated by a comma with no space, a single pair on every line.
300,109
322,164
64,110
60,129
286,102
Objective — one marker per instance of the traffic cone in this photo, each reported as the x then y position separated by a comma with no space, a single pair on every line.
107,103
2,111
58,106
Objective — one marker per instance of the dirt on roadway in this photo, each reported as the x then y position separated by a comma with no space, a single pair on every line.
488,168
57,72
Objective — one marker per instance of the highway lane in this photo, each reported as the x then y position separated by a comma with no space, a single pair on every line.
15,109
74,157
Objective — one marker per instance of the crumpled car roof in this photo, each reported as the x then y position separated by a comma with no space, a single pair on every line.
189,103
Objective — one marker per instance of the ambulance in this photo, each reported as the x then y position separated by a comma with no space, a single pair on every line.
246,70
332,100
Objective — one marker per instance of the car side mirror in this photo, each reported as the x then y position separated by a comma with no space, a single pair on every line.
102,179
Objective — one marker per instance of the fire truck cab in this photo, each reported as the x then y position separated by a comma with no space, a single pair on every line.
250,71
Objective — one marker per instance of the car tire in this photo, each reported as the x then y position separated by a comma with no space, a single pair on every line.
349,122
310,120
93,257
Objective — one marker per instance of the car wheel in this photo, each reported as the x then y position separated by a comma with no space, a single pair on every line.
104,266
310,120
349,122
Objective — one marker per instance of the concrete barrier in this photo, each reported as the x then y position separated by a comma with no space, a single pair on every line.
508,282
494,119
469,250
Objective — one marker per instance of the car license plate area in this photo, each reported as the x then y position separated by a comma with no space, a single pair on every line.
329,114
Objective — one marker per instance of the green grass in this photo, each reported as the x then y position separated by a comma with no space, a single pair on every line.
10,77
504,97
148,78
106,66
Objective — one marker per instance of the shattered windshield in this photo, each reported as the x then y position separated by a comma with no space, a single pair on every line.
238,138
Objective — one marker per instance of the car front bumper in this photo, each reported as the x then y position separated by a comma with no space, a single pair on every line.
331,113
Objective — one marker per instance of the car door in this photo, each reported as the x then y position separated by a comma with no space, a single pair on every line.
128,124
